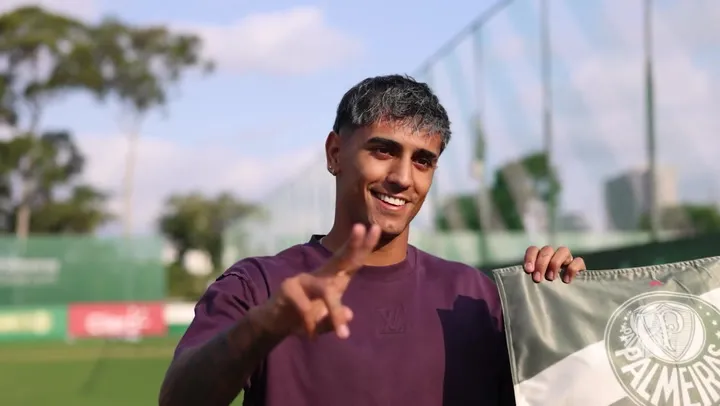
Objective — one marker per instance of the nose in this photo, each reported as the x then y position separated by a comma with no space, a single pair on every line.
400,177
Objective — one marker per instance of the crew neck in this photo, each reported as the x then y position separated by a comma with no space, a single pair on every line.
388,272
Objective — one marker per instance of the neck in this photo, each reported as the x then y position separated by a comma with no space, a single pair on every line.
389,251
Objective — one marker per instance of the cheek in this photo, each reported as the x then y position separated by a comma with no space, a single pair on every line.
423,181
356,176
370,170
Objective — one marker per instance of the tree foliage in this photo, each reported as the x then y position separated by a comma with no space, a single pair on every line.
144,62
45,56
61,203
194,221
460,212
689,219
514,186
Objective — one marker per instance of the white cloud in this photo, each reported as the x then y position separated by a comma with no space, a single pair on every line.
293,41
607,79
694,22
165,167
598,90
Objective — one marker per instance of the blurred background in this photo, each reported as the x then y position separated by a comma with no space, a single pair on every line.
144,149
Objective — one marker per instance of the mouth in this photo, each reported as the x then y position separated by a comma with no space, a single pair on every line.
391,202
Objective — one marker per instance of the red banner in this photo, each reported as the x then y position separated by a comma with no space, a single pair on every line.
136,319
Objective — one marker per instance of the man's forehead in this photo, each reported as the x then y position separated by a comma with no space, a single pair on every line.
405,135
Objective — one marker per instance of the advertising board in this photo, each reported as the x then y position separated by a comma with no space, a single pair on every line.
32,323
122,319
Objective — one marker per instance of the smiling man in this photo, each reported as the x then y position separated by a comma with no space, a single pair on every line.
407,328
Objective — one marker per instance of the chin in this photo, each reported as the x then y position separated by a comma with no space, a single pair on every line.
391,229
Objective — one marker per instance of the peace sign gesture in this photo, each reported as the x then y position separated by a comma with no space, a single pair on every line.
311,303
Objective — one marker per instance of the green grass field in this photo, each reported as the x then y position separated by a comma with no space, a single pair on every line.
84,373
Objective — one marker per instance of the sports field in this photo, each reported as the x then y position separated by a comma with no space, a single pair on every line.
84,373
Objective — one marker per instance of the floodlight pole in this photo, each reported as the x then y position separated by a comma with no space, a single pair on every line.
547,116
651,180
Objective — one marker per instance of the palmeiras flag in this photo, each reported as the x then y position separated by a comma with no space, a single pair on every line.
637,336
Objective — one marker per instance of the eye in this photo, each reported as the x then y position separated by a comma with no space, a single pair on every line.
381,152
425,163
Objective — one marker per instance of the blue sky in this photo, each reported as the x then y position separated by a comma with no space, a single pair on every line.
283,66
296,109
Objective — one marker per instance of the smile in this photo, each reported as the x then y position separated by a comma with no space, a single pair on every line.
393,201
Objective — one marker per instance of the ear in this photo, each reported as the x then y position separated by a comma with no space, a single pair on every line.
332,153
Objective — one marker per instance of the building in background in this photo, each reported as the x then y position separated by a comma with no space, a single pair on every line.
627,200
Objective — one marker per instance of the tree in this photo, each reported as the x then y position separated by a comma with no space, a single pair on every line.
517,183
688,219
56,165
460,212
147,62
194,221
30,39
514,187
8,117
44,55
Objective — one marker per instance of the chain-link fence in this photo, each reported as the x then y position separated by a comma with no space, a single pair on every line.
563,111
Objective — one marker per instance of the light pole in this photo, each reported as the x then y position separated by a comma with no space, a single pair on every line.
480,150
651,179
547,115
475,27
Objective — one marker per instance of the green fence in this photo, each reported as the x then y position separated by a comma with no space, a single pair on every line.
60,270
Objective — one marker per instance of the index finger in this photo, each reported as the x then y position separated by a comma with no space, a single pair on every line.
352,255
530,257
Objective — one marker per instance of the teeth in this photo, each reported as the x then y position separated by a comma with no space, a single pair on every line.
391,200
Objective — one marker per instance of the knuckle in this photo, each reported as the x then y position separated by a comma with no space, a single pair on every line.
333,301
308,319
330,291
287,285
303,307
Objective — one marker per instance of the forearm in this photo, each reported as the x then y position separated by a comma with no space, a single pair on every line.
214,373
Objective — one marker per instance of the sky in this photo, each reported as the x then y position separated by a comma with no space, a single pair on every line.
282,67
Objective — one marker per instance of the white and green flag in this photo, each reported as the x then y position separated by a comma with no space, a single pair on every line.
637,336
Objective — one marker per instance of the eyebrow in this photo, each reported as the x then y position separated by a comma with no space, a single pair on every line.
425,153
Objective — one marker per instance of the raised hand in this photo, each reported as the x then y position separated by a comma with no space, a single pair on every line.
547,263
311,303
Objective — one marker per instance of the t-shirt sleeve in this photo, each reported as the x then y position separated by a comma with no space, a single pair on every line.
225,302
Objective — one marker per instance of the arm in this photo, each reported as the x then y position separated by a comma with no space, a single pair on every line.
225,344
237,324
214,373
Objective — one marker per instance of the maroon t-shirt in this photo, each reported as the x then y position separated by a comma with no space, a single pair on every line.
425,331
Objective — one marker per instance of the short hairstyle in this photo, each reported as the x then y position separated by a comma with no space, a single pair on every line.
393,98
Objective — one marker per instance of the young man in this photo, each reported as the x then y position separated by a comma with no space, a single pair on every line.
408,328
